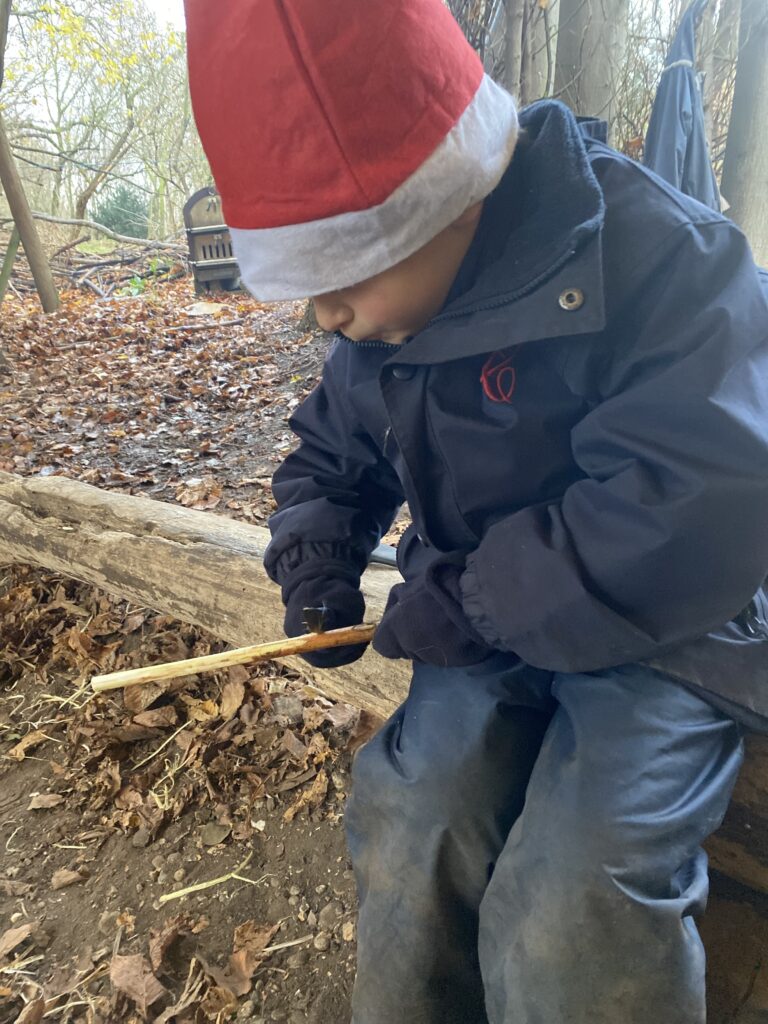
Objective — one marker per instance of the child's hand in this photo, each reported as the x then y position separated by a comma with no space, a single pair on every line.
424,620
333,587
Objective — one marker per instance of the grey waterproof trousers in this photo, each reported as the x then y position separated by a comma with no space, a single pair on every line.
528,848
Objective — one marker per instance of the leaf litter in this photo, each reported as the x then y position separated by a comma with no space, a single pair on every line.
109,803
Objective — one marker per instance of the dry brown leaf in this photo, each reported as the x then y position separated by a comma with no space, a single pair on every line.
295,747
65,877
29,742
32,1012
157,718
15,936
200,710
44,801
342,716
133,976
238,674
232,696
312,797
161,939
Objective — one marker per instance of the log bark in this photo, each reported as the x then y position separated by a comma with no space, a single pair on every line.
199,567
33,250
206,569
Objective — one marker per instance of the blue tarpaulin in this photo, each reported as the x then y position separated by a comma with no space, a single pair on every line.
676,144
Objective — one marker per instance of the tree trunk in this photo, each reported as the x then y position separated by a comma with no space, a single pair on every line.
118,150
745,170
539,49
8,261
513,44
33,250
5,16
590,51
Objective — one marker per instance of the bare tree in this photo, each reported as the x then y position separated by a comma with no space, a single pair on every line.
590,50
745,169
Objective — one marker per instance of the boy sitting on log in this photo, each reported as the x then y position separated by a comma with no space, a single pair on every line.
561,364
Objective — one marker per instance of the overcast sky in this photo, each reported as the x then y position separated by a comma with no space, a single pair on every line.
168,11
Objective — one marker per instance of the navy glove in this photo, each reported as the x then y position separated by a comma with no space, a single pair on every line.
332,585
424,620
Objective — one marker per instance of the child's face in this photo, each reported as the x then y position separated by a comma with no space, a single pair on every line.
399,302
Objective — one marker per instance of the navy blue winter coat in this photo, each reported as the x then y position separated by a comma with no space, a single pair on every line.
587,417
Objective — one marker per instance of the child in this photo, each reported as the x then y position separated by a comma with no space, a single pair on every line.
562,365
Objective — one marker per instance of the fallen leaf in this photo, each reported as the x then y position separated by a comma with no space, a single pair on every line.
43,801
32,1012
133,976
10,887
29,742
232,696
64,877
311,797
213,834
14,937
161,939
157,718
127,921
205,309
200,710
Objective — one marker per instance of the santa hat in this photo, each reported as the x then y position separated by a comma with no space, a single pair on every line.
342,134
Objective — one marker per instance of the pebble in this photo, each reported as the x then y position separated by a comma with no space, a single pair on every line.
279,849
294,891
297,959
320,889
297,1018
247,1009
293,901
321,941
17,916
311,919
330,915
108,922
179,875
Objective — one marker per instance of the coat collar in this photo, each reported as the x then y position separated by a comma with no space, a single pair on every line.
530,253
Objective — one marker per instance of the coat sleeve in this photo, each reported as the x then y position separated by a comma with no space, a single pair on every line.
335,493
666,535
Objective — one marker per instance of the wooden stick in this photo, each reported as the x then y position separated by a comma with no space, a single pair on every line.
240,656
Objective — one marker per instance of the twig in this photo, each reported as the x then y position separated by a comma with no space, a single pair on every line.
234,874
161,747
240,656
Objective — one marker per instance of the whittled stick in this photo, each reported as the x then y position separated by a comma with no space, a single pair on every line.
240,656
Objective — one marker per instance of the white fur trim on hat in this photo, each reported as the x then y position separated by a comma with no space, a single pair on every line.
302,260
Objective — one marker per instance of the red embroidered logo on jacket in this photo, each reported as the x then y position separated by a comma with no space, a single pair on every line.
498,378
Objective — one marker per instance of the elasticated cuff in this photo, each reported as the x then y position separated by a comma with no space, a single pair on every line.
282,565
330,568
472,604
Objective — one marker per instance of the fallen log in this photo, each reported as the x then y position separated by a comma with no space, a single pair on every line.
202,568
207,570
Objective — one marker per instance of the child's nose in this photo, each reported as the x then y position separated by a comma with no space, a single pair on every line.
332,312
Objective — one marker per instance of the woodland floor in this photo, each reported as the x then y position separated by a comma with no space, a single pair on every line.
111,805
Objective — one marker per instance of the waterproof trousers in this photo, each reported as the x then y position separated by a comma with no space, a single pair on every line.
527,848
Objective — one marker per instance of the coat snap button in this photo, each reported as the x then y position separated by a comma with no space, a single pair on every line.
571,299
403,372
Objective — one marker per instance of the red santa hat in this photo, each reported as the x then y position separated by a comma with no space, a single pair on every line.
342,134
